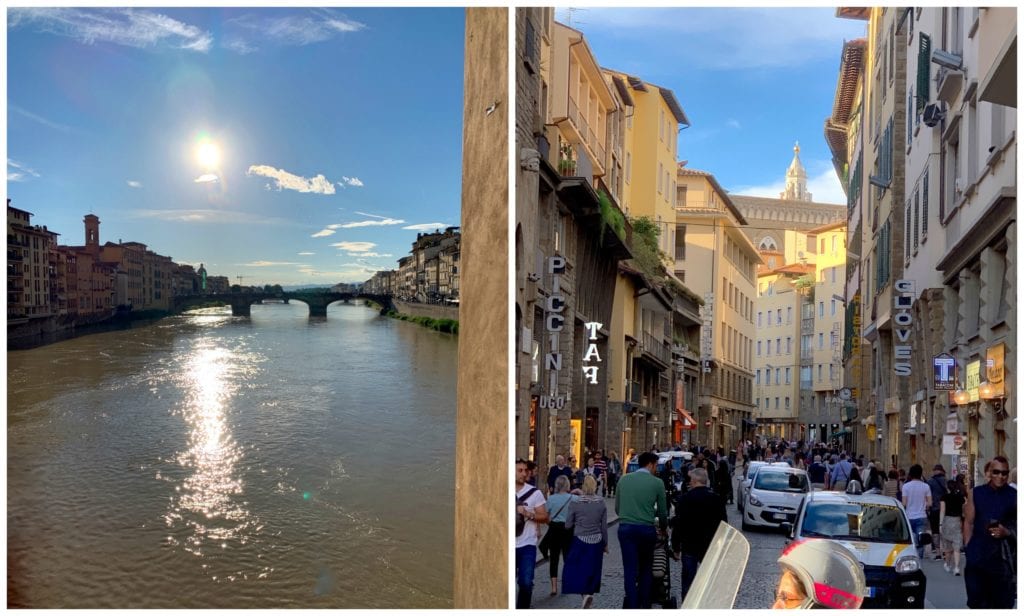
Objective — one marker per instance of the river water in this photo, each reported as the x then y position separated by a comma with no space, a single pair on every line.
216,461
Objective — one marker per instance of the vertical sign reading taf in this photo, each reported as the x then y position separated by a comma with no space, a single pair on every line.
590,372
554,323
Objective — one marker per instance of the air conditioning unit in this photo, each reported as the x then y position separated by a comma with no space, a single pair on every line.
933,114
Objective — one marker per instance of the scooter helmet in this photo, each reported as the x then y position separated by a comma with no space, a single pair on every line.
831,575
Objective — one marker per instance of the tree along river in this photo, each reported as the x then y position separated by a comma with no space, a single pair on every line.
215,461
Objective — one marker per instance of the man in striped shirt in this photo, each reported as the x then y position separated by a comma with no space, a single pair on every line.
601,470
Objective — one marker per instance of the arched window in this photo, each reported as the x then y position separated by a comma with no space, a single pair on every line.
768,243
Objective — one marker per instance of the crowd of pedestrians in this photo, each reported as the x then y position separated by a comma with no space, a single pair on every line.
679,510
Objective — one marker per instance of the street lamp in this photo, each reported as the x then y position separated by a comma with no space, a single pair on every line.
987,392
961,397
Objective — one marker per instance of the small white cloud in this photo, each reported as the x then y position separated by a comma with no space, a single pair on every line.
427,226
352,181
128,27
285,180
360,247
733,123
21,170
134,184
370,215
239,45
334,226
366,254
323,233
315,27
206,178
211,217
268,263
306,254
372,223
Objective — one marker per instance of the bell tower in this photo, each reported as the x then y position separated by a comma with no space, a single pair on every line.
92,231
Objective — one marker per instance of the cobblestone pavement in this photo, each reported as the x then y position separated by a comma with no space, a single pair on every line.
759,580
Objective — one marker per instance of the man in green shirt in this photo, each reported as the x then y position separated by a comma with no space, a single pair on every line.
643,514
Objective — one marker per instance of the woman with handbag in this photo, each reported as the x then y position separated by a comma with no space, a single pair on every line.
556,542
588,522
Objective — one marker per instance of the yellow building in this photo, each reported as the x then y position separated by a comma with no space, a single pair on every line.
578,107
777,350
715,259
829,300
650,143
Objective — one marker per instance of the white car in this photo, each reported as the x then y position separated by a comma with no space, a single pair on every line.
876,529
749,478
775,496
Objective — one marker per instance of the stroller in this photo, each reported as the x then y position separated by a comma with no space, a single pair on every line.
661,585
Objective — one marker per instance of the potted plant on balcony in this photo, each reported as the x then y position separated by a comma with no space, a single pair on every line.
566,160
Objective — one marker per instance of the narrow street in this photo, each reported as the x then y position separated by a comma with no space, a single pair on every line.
758,588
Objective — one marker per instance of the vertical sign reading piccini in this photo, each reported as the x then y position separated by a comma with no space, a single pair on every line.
554,323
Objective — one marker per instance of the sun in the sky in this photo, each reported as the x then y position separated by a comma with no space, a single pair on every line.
208,154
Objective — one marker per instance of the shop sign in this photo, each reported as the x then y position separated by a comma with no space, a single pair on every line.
994,368
952,423
590,372
554,322
944,367
973,379
952,444
903,321
707,331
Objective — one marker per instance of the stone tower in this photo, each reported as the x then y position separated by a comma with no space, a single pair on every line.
92,230
796,179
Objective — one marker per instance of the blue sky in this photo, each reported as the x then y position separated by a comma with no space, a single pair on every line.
752,82
335,133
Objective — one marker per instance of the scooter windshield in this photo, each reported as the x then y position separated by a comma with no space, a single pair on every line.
718,579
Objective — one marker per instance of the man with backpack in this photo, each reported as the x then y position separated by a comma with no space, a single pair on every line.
530,513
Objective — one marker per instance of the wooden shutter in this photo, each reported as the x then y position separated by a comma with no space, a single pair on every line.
924,59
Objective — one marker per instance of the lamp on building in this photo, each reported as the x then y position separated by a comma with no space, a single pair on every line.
961,397
987,392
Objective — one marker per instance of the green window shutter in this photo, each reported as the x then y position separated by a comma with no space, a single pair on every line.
924,59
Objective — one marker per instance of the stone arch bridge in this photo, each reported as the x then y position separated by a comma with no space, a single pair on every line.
241,303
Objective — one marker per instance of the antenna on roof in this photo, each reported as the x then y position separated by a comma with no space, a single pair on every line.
572,14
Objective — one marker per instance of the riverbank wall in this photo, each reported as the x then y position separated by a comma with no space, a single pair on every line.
431,311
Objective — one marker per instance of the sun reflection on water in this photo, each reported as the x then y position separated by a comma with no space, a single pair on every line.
208,505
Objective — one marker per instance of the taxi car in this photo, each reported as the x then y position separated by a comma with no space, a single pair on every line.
774,496
877,530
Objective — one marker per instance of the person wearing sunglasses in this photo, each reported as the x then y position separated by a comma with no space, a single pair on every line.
990,540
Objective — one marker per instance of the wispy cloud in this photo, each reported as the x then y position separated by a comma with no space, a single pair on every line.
306,254
206,178
367,254
384,222
284,180
128,27
427,226
268,264
323,233
726,38
370,215
245,33
19,171
824,187
210,217
135,184
360,247
733,123
40,119
350,181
